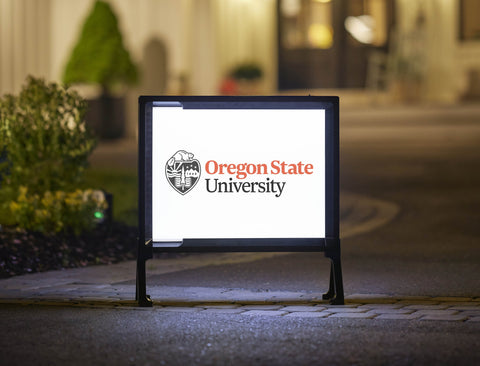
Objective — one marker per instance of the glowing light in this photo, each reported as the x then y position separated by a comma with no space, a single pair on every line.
99,215
291,8
361,28
320,36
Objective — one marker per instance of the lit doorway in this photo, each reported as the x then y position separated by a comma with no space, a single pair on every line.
327,43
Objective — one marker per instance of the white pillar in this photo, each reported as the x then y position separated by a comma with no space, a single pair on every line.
437,55
6,46
440,85
204,66
25,45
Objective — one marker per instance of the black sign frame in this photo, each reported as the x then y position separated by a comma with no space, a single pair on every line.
330,245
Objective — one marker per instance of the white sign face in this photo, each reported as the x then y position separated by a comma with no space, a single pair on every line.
237,173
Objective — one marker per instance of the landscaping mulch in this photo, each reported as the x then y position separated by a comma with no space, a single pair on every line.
28,252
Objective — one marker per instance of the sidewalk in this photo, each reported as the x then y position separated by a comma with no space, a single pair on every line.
103,287
358,306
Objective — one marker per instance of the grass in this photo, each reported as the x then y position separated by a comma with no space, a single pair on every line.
122,183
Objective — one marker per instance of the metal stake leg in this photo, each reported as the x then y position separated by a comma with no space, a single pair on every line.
338,282
331,288
335,289
141,291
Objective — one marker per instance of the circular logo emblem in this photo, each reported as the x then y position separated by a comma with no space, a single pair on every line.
182,171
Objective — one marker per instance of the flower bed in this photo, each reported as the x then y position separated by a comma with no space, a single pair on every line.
28,252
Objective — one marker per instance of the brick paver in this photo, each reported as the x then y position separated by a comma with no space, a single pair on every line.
460,303
224,311
436,312
262,307
310,308
455,317
426,307
467,308
345,310
309,314
390,311
471,314
378,307
398,316
353,315
218,306
181,309
264,313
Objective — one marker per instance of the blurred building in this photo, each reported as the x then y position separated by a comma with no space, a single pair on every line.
426,50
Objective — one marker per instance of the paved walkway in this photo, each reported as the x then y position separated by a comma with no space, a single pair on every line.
458,309
112,286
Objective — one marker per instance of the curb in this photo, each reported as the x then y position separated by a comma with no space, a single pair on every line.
380,307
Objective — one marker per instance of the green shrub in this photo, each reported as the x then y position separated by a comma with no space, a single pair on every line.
44,148
57,211
99,56
247,71
44,138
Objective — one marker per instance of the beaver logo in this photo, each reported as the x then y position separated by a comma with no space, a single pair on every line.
182,171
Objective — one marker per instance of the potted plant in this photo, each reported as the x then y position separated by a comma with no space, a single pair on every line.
243,79
100,58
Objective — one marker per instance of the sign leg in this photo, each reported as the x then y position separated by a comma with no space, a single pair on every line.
330,294
335,290
336,269
141,290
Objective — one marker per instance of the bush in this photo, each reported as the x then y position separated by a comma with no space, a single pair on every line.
99,56
247,71
44,137
58,211
44,148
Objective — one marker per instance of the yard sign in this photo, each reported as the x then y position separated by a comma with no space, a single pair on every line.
238,174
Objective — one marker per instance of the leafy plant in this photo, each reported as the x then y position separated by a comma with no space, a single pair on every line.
44,146
100,57
57,211
44,138
247,71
